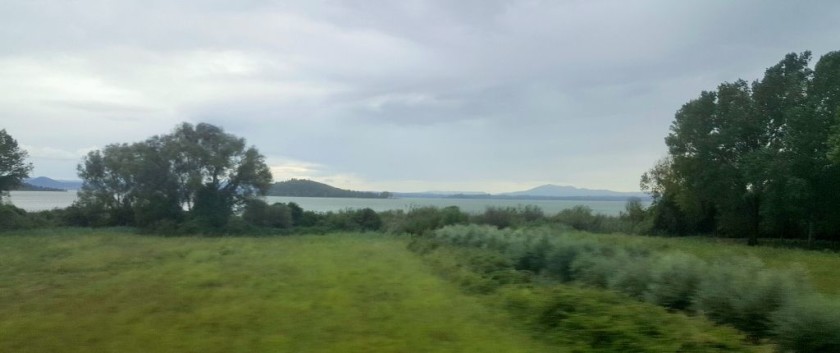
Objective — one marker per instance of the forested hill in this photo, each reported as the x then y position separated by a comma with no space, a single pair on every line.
309,188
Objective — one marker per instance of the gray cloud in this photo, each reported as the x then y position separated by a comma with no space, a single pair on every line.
414,95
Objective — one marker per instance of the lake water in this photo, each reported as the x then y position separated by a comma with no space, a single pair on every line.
46,200
42,200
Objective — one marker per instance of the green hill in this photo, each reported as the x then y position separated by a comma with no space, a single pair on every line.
309,188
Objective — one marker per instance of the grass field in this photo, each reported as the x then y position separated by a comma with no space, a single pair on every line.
822,266
72,290
117,292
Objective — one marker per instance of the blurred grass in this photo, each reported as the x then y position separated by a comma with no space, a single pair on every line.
111,291
821,266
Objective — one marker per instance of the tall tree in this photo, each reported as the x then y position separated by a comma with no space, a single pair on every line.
816,148
715,145
200,169
13,166
758,158
215,170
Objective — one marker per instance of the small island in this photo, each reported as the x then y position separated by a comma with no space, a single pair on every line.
309,188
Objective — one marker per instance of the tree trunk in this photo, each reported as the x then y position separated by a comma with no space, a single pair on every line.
752,240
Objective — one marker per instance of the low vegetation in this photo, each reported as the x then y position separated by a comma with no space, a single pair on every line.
760,301
523,253
110,290
579,319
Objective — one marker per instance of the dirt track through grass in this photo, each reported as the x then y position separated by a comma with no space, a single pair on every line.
110,292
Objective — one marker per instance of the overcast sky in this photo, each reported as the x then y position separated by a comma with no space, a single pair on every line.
390,95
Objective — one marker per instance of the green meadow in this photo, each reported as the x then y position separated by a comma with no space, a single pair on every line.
111,290
107,291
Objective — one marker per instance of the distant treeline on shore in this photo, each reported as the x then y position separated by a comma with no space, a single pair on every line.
309,188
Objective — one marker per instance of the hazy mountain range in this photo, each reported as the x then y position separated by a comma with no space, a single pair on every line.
550,190
309,188
540,192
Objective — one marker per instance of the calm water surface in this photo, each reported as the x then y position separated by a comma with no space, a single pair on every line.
46,200
42,200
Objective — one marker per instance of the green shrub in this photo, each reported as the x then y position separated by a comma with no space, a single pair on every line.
744,294
256,212
367,219
499,217
279,215
259,213
422,219
596,270
81,214
560,259
296,212
531,213
12,217
674,280
809,325
578,217
633,278
586,320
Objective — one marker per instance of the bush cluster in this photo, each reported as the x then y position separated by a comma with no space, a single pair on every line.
576,318
634,220
762,302
422,219
586,320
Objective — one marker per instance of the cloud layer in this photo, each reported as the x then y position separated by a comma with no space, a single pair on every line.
406,96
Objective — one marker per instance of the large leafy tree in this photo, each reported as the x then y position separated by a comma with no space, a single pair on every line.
816,145
715,143
197,171
204,157
13,166
753,159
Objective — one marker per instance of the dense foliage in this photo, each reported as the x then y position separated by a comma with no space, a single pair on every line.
741,292
757,159
577,318
196,173
13,166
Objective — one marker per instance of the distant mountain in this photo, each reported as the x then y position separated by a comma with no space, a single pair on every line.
45,182
544,192
571,192
309,188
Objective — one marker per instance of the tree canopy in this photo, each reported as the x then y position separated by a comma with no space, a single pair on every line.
755,159
197,172
13,166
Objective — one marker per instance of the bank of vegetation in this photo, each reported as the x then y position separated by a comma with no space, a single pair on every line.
774,304
759,159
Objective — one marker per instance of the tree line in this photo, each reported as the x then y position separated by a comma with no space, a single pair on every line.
760,159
